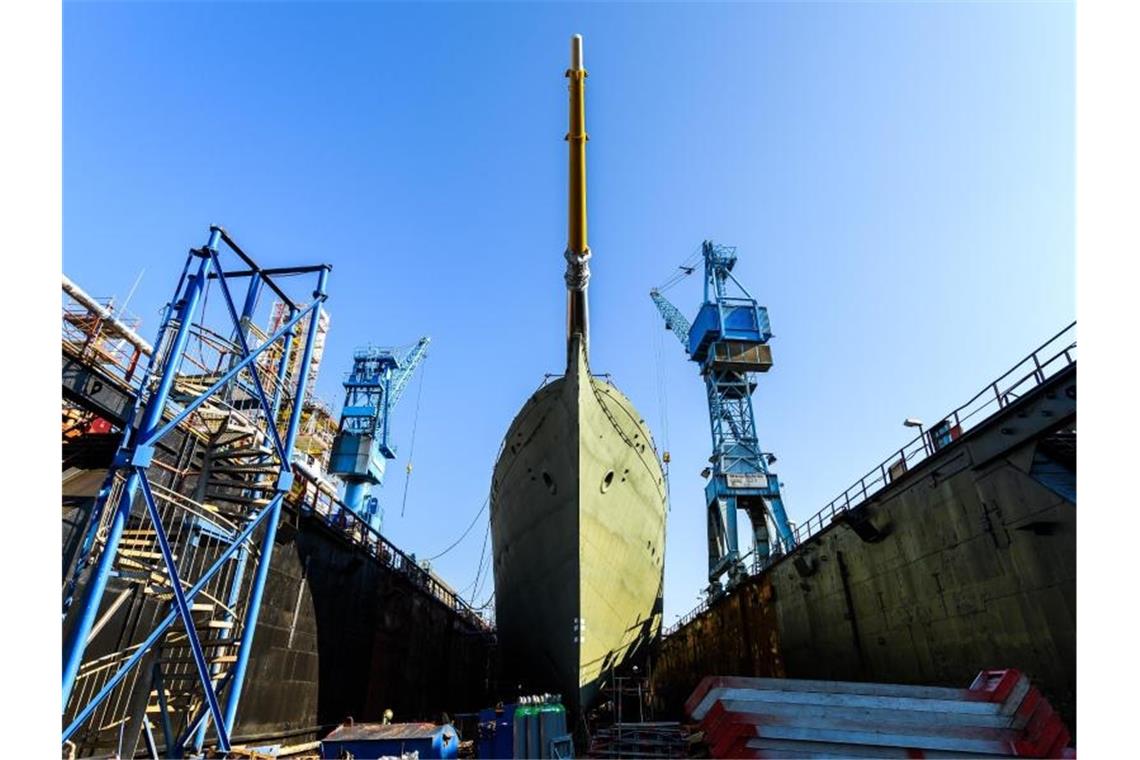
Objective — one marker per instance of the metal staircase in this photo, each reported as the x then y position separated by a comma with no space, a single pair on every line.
162,607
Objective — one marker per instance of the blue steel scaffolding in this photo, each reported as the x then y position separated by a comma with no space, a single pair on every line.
162,603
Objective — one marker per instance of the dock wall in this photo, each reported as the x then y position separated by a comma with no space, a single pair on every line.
967,562
342,635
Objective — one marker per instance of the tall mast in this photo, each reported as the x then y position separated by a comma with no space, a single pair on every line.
577,249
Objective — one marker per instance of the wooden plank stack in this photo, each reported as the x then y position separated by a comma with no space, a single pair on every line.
1001,714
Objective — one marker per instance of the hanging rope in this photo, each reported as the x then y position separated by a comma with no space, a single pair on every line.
455,543
475,595
474,586
486,604
412,446
685,268
486,569
662,407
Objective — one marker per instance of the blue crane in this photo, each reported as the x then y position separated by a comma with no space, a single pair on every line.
364,443
729,340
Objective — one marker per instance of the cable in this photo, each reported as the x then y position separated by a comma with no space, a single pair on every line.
479,588
663,408
474,585
465,532
686,267
412,445
487,603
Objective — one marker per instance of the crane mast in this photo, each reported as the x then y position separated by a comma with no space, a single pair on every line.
364,444
729,341
577,248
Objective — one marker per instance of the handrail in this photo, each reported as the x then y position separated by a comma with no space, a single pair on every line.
1052,356
925,444
106,314
95,335
317,501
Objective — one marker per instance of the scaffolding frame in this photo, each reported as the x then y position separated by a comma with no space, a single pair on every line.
175,400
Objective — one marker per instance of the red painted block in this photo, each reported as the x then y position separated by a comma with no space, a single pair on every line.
1023,725
739,749
714,720
698,694
995,685
1061,744
1044,734
1026,709
733,736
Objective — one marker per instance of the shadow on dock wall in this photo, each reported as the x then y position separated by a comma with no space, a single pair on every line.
342,635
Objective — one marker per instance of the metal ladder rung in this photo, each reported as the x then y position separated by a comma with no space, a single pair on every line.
141,554
258,501
242,469
240,453
130,541
132,563
221,659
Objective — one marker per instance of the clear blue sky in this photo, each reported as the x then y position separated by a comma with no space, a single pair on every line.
898,179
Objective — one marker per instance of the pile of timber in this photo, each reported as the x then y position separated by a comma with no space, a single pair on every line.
635,740
1000,714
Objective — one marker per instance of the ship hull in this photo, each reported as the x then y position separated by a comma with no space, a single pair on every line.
578,535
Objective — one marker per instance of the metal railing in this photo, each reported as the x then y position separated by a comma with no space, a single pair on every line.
316,500
95,334
1049,358
692,615
1052,356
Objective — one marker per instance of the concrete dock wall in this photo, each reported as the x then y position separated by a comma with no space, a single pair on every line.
342,635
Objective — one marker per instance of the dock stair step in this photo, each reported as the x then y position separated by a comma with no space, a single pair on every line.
139,554
240,453
242,469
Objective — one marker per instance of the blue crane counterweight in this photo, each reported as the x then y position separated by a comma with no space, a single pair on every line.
729,340
364,444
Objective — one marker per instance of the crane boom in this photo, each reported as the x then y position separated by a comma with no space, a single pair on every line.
674,319
412,359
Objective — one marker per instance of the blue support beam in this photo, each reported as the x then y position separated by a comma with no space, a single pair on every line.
183,609
163,625
159,417
76,643
284,482
142,381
